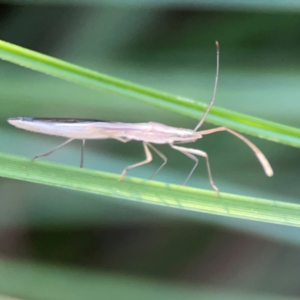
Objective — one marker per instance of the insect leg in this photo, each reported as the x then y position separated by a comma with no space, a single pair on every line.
146,161
123,140
163,158
189,153
53,150
82,154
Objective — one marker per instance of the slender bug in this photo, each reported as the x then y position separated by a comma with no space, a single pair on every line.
149,133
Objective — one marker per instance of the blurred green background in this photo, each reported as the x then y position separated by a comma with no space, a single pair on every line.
60,244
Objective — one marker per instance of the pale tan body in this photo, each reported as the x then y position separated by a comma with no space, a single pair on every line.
148,133
151,132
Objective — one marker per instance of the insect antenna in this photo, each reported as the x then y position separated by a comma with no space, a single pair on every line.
215,90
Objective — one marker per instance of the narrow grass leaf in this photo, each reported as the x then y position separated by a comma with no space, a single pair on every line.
73,73
177,197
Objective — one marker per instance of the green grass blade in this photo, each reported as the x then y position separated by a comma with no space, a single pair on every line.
61,69
150,191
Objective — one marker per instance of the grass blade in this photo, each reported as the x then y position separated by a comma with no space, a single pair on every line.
70,72
150,191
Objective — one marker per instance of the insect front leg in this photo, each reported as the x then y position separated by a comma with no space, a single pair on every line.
146,161
190,152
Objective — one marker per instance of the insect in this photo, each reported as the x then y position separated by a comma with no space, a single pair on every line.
149,133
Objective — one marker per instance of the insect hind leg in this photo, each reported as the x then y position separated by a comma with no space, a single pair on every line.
82,154
52,150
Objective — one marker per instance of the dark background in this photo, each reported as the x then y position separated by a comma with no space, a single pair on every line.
169,47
